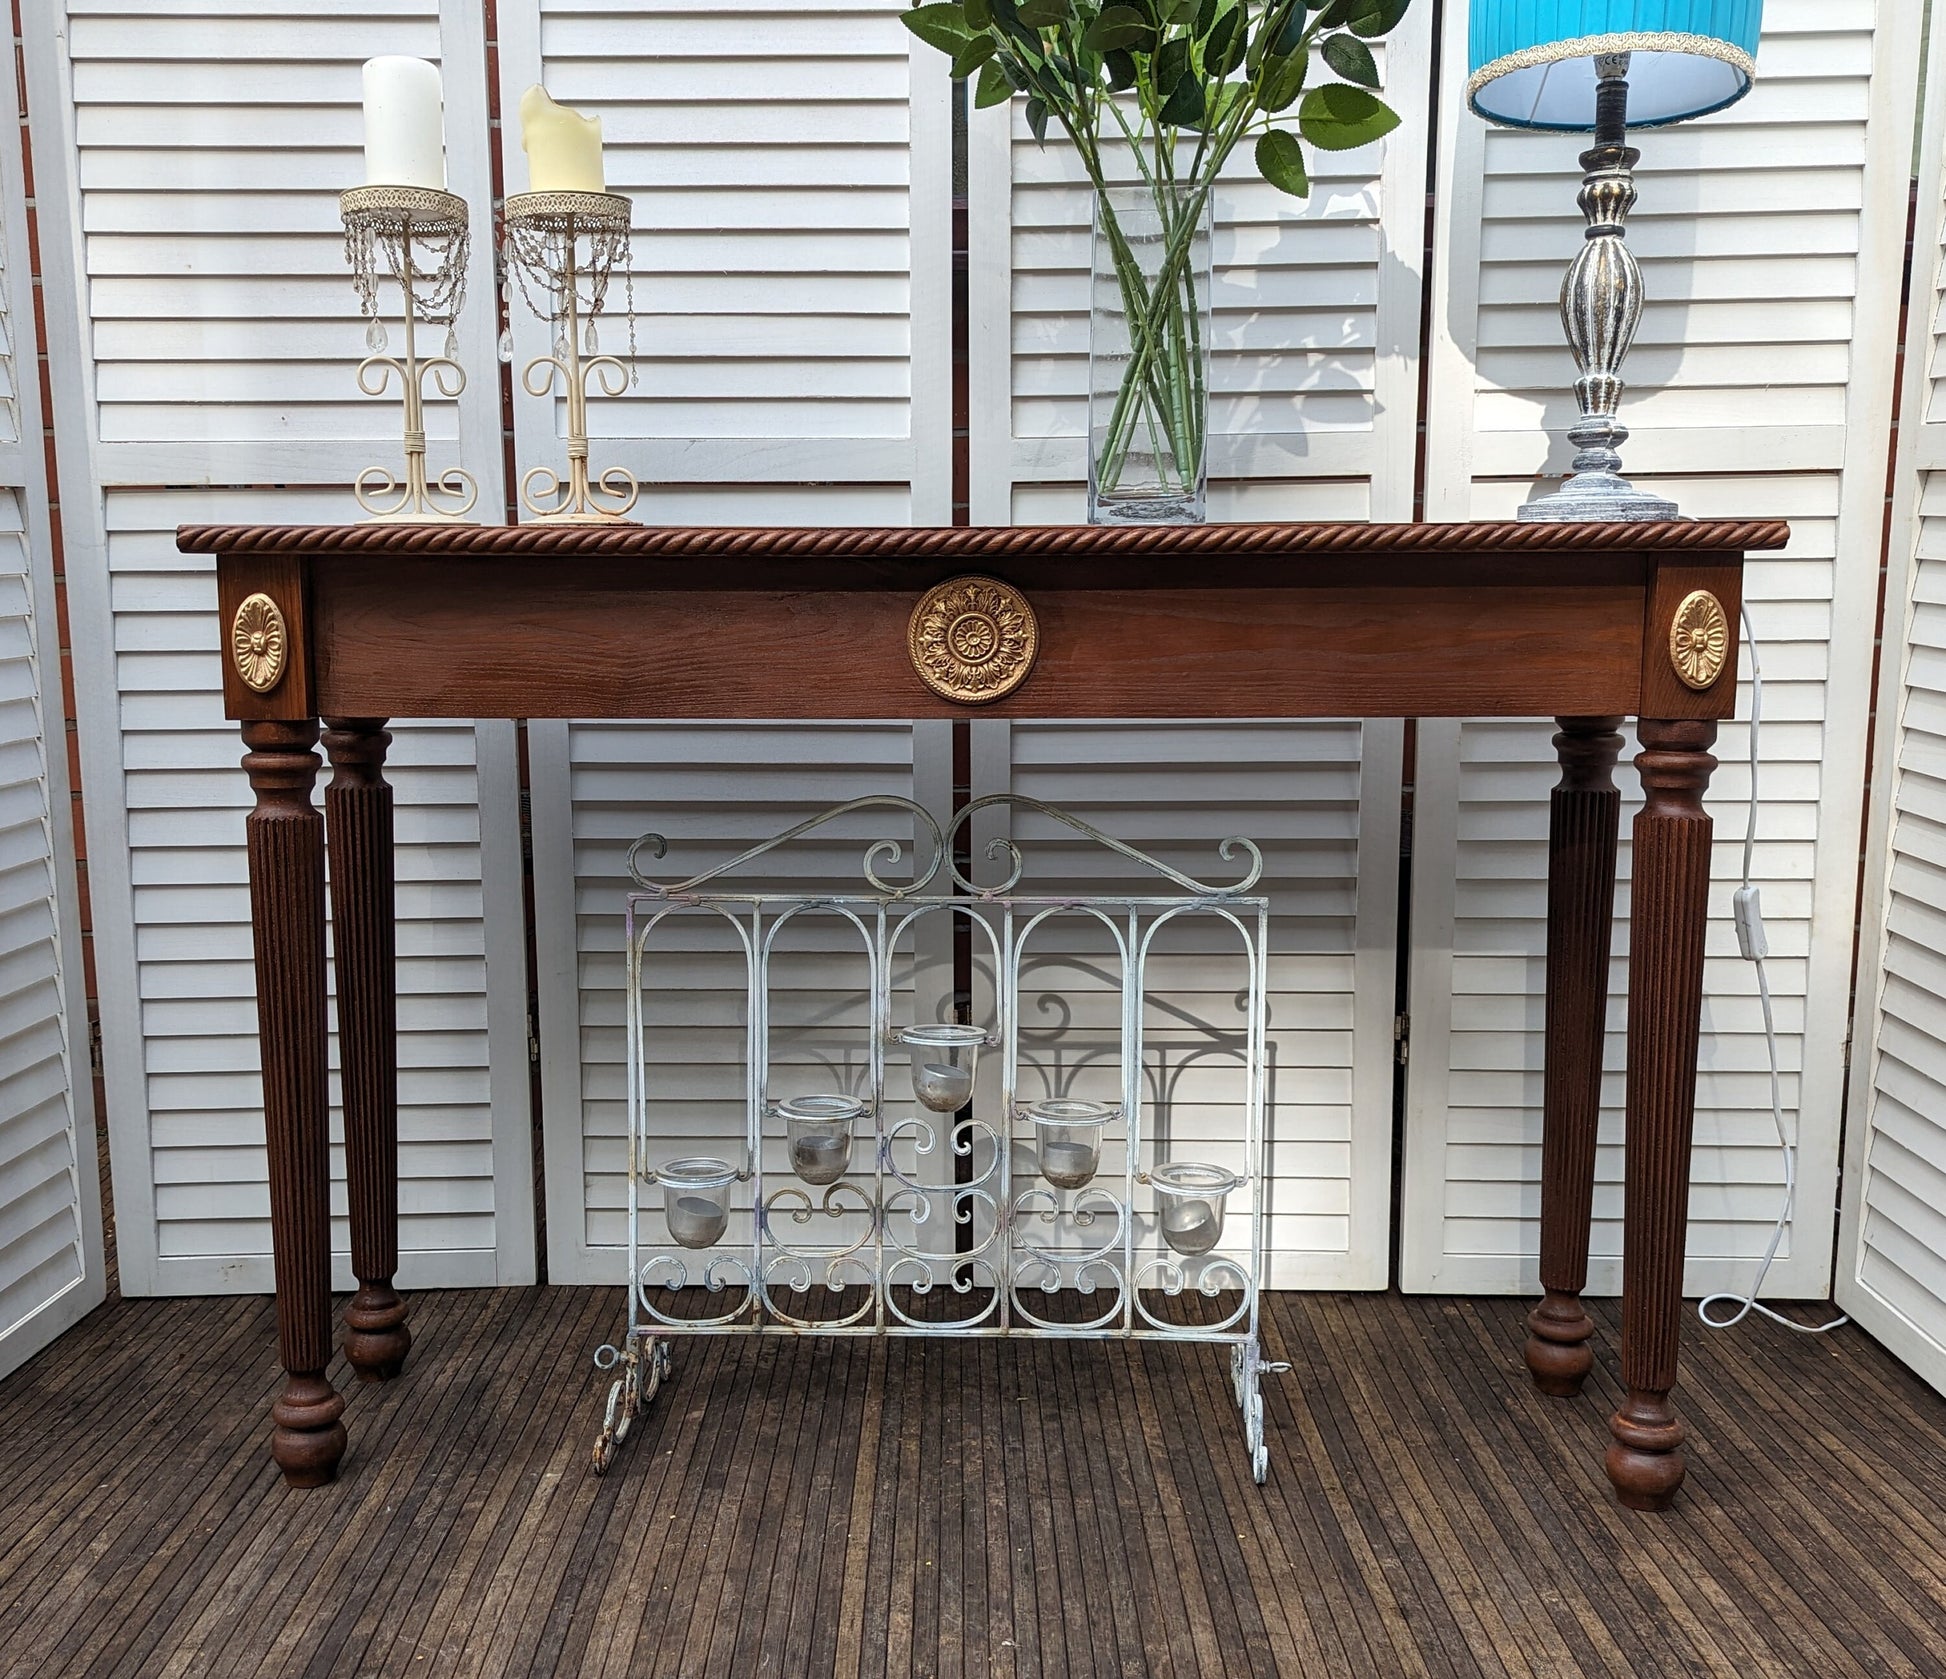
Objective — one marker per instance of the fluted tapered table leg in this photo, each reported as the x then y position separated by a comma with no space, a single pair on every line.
284,840
1670,893
358,811
1582,828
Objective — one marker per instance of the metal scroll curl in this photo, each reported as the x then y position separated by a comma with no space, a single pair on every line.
1216,1276
889,851
880,852
669,1271
999,848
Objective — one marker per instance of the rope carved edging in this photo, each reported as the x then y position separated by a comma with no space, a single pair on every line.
988,542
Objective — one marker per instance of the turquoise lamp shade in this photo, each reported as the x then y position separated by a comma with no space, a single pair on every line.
1533,61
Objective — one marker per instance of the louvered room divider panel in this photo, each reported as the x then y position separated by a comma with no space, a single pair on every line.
1892,1246
1315,344
51,1260
1321,799
1313,415
791,171
188,156
1771,241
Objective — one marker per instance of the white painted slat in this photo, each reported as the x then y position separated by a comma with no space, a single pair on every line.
790,169
714,790
52,1268
188,159
1322,801
1314,368
1771,241
790,172
1891,1273
1313,415
184,803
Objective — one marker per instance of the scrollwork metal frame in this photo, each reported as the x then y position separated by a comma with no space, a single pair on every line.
393,222
1017,1240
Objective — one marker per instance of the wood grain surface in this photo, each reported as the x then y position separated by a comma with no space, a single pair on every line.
810,1510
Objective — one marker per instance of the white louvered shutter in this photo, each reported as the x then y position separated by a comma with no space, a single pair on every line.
51,1261
1771,240
790,169
1321,800
189,155
1315,344
1313,415
1892,1250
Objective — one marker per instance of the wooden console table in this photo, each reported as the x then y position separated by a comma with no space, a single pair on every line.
1589,624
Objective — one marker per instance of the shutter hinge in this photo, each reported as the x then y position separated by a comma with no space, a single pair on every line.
94,1048
1402,1036
533,1038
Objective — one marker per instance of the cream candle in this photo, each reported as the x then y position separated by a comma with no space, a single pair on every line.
563,147
405,128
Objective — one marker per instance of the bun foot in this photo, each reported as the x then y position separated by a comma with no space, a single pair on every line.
1645,1461
376,1338
307,1439
1558,1355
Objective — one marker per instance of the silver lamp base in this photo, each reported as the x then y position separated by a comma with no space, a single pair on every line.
1601,306
1603,496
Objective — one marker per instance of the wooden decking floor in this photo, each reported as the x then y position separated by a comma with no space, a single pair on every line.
1072,1511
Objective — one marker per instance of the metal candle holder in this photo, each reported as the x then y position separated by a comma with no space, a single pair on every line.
935,1208
1601,306
397,222
543,234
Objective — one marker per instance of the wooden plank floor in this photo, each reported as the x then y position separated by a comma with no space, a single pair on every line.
798,1508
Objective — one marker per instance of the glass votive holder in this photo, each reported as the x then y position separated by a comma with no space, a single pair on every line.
696,1199
943,1059
1069,1137
818,1132
1190,1197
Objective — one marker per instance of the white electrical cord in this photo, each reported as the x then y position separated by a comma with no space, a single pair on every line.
1755,947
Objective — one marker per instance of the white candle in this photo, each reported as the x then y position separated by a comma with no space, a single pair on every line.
405,128
563,147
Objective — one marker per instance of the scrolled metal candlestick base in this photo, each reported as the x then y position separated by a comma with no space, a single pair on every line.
543,232
390,220
1601,307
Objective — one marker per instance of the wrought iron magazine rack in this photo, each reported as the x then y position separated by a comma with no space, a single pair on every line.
930,1207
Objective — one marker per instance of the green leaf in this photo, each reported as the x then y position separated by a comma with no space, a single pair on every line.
1372,18
1336,118
1119,26
971,56
1223,51
1121,69
1184,107
1285,82
1280,160
942,25
1335,14
1183,12
979,14
1206,17
1291,36
1045,14
994,88
1169,65
1037,119
1352,59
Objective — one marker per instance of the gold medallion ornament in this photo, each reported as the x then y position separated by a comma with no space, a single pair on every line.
258,643
973,640
1699,640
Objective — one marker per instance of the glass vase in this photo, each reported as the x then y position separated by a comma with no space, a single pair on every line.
1148,356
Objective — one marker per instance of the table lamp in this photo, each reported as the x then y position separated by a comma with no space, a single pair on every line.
1594,67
